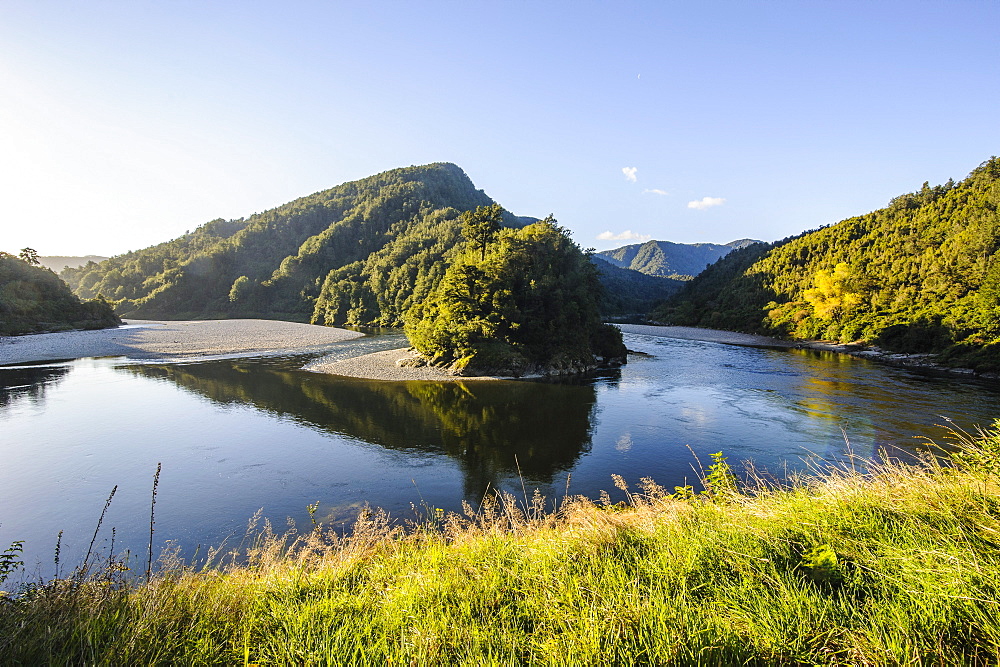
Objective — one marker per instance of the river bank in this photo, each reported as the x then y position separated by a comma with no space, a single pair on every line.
896,565
919,361
160,339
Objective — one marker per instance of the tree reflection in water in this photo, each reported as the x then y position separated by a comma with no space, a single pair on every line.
28,383
494,429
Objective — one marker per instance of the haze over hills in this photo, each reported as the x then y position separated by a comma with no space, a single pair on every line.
361,253
664,258
59,262
921,275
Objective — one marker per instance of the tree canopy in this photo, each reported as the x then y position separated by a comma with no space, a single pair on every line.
33,299
361,253
528,303
920,275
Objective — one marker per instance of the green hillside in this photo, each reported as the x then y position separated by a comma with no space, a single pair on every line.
33,299
629,292
360,253
59,262
356,253
664,258
921,275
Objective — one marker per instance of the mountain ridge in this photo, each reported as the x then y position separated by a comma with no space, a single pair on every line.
669,259
359,253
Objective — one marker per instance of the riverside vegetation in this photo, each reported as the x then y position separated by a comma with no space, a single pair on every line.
886,563
920,276
33,299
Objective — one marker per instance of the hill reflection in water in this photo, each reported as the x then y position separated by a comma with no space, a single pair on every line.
494,429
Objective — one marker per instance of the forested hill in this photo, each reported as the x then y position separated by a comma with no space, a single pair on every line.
664,258
921,275
358,253
628,292
33,299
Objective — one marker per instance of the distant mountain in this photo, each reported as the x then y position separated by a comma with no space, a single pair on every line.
921,275
33,299
360,253
57,263
664,258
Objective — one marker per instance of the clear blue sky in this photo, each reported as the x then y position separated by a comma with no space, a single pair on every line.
124,124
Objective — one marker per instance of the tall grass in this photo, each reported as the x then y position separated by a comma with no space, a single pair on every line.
899,565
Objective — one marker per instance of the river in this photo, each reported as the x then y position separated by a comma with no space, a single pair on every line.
239,435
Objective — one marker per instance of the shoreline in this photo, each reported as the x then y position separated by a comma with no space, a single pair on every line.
872,353
386,366
171,339
178,339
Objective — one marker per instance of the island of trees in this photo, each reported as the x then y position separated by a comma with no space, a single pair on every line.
517,301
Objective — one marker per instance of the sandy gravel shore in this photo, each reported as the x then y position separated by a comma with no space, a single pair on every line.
383,366
149,339
710,335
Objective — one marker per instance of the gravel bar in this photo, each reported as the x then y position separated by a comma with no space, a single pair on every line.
384,366
158,339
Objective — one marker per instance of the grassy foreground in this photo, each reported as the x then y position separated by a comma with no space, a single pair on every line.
900,565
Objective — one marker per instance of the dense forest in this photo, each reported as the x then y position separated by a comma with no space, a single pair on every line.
674,260
921,275
629,293
33,299
360,253
355,253
517,301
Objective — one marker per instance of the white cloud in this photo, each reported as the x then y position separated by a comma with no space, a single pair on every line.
706,202
627,235
656,191
630,173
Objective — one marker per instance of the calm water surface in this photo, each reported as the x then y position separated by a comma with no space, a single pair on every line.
241,434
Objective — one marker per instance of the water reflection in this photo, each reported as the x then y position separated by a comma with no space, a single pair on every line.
494,429
28,383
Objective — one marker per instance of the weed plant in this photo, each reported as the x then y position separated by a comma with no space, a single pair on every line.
896,565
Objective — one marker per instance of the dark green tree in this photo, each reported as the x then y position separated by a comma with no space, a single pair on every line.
480,226
34,299
529,303
29,255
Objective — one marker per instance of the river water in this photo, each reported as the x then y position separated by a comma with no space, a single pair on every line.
239,435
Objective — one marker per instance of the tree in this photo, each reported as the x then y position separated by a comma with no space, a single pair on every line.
29,255
239,288
836,292
481,226
530,303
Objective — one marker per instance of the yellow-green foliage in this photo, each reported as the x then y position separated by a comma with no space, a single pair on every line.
921,275
836,293
896,565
